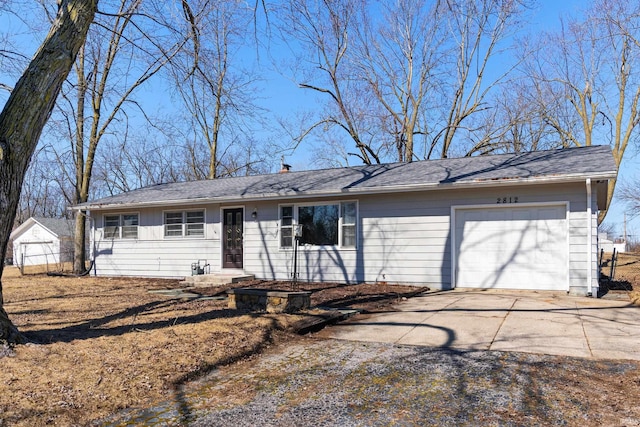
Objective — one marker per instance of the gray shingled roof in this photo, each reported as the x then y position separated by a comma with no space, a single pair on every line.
594,162
59,226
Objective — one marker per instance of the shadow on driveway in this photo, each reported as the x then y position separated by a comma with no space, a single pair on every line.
533,322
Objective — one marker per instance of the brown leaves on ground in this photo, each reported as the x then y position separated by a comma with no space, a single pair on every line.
99,345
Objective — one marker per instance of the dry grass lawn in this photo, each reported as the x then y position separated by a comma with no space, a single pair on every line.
626,275
99,345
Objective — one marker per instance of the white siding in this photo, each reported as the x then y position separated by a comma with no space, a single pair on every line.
578,242
155,258
152,255
402,237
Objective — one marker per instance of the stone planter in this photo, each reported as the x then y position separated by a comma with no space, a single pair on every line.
268,300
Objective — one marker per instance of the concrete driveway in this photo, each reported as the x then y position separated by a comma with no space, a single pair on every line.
528,321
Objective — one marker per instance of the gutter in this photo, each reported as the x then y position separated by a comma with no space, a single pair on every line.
353,191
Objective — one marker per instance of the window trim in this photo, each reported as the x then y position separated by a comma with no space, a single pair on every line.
183,224
121,225
341,225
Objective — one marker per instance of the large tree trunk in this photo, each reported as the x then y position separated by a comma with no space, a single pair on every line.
80,235
27,111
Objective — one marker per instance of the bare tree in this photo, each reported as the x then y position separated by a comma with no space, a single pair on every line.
217,94
13,59
117,58
587,79
323,28
519,125
630,194
42,194
398,70
136,161
25,115
398,55
477,29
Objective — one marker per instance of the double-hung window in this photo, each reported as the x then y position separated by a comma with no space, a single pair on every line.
319,224
286,226
184,224
121,226
348,214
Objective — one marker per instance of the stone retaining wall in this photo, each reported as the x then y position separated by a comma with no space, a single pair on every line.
268,300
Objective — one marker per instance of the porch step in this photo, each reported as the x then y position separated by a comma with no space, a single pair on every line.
216,279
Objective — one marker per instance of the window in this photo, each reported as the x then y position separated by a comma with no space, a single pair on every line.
286,226
123,226
322,224
348,215
184,224
319,224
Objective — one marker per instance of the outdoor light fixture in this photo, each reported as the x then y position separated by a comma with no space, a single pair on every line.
254,214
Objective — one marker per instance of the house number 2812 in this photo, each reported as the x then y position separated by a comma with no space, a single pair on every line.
510,199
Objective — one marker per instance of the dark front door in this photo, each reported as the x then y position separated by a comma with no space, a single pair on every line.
232,246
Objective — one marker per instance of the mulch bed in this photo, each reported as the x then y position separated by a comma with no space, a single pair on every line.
365,297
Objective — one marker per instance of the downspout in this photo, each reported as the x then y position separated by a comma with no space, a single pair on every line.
92,244
590,287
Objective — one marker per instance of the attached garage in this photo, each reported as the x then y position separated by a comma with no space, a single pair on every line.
512,247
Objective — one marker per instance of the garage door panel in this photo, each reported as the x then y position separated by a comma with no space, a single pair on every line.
515,247
522,215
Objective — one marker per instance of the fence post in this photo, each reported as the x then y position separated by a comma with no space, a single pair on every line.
613,262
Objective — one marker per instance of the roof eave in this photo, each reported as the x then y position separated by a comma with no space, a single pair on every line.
554,179
28,223
21,228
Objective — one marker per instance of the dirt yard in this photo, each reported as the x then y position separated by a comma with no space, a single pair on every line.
626,277
100,345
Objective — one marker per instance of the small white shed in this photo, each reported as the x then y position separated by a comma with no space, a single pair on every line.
43,241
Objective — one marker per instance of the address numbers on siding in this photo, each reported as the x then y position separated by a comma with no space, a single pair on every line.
509,199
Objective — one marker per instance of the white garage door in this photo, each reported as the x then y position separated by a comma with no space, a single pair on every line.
36,253
512,248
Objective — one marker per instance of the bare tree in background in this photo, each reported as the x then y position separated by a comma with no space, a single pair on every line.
397,70
477,29
323,30
217,94
587,78
42,193
517,123
398,55
630,194
25,115
136,161
12,61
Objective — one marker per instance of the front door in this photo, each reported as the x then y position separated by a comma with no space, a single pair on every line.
232,242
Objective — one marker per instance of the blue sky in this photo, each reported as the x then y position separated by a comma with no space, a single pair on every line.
282,97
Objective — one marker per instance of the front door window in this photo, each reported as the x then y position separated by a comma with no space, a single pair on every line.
232,244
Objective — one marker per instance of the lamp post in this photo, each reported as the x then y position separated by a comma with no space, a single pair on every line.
297,234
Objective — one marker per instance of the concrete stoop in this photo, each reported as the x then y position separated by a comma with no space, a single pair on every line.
216,279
